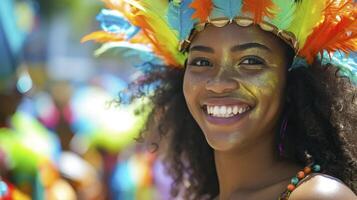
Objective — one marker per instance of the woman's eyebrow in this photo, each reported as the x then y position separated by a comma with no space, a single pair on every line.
202,48
242,47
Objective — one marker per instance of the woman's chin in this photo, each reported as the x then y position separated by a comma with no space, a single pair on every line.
225,141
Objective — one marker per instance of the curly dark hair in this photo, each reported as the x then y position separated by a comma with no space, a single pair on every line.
322,118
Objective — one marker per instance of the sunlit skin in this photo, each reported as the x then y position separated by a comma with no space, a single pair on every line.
243,66
225,72
239,64
233,65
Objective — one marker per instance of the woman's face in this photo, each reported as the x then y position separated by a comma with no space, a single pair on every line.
234,84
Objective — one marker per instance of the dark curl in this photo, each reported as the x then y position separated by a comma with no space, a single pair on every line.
321,109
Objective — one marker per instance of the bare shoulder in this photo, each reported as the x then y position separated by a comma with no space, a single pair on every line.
322,187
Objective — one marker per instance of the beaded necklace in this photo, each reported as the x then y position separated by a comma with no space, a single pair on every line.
310,168
300,176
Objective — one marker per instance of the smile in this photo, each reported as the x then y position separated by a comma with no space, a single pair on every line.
223,111
226,111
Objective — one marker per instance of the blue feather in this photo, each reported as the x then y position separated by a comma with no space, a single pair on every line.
115,22
347,64
226,8
180,17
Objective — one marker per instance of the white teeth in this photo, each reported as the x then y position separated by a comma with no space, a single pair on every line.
235,110
215,110
223,110
229,110
226,111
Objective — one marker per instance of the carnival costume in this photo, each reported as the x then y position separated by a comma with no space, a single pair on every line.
321,30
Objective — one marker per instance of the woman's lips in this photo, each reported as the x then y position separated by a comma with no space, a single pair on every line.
225,111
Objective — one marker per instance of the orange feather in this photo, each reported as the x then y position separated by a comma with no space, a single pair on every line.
109,4
338,31
158,48
117,5
259,9
102,37
331,35
120,6
202,8
340,7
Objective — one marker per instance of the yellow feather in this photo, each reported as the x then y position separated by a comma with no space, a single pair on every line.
308,14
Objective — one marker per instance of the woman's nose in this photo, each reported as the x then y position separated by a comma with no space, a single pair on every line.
222,84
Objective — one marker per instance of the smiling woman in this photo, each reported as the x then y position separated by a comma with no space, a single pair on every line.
241,80
255,105
239,102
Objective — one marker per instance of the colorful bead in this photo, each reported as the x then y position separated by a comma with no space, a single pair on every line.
291,187
294,180
316,168
301,175
307,170
3,188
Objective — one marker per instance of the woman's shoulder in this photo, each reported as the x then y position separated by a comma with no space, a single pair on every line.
319,186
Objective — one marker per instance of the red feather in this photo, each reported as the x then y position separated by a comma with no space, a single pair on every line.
202,8
259,9
338,31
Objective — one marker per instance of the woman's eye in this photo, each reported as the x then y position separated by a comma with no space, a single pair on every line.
252,61
201,62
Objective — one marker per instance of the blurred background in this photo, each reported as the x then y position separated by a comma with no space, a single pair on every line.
62,134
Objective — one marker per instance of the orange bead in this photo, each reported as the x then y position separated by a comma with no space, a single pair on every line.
291,187
301,175
307,170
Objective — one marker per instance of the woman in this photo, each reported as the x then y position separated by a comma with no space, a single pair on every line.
252,106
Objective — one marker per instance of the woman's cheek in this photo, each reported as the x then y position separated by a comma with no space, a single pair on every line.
194,81
190,87
265,89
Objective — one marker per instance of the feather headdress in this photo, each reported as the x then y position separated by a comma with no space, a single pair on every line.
259,9
318,27
228,8
202,9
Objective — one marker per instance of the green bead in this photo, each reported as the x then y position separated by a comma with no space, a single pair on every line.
316,168
295,180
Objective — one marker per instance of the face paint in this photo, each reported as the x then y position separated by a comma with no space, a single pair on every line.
265,86
234,84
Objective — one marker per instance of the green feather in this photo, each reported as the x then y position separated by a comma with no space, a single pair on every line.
307,15
284,11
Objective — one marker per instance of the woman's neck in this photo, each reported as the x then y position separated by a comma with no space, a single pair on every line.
249,169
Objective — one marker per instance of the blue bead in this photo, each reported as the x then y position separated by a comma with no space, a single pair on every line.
316,168
295,180
3,188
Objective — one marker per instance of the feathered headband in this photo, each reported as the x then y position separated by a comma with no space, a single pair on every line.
312,28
